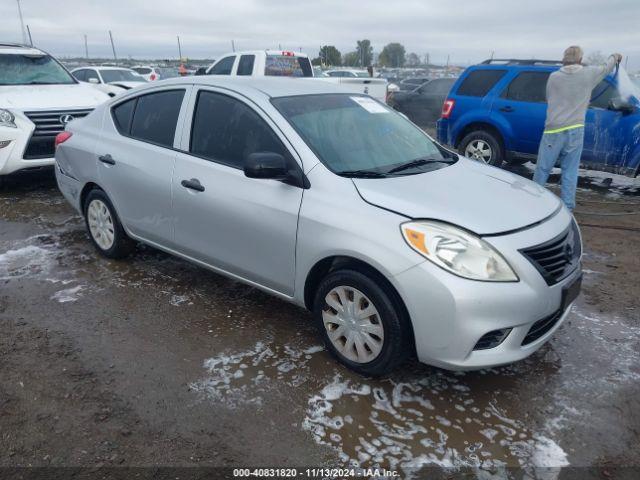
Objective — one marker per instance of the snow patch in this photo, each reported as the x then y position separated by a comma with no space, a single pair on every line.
68,295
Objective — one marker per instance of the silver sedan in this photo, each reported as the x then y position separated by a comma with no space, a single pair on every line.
335,202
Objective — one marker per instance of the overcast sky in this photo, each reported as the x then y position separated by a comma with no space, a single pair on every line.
468,30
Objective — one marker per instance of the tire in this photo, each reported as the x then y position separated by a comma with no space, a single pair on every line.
100,217
482,139
382,351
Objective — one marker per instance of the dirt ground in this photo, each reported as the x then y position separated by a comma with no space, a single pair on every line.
152,361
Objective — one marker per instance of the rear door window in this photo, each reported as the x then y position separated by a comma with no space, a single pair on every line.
528,87
92,74
80,75
224,66
287,66
227,131
479,82
438,87
245,64
155,117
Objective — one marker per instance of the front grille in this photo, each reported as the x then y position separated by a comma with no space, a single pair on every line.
492,339
541,327
48,125
557,258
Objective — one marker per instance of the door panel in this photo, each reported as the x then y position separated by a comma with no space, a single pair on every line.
136,174
522,104
244,226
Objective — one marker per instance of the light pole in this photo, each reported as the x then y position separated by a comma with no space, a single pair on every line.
24,31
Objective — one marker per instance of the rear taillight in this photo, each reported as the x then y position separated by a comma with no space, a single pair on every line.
62,137
447,108
152,77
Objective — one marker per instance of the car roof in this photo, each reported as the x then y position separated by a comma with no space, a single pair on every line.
291,53
271,87
19,49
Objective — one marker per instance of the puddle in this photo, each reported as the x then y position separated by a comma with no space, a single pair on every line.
244,377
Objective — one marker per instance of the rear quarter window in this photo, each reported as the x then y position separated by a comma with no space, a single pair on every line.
479,82
122,115
245,65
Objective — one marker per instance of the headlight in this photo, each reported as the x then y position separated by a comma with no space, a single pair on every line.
457,251
7,119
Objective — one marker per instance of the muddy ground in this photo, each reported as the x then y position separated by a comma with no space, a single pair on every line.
153,361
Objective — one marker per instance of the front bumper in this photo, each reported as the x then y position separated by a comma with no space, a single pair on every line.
12,155
450,314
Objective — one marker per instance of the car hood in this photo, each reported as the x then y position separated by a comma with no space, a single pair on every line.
483,199
50,97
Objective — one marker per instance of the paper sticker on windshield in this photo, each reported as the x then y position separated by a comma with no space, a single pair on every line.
369,104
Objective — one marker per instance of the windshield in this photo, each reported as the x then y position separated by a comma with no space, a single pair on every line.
362,74
120,76
142,70
287,66
32,70
352,134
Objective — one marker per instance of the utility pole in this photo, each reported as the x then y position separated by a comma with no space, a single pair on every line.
30,39
233,46
86,48
179,49
24,32
447,62
113,48
492,53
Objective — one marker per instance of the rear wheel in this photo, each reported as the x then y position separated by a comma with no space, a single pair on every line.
104,226
483,146
361,324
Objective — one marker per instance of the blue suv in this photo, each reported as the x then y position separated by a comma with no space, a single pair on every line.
495,112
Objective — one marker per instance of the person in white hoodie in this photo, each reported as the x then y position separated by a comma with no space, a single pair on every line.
568,95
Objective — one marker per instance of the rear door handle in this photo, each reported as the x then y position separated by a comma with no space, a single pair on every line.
108,159
193,184
506,109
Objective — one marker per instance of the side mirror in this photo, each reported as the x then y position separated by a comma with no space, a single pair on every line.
620,105
266,165
93,80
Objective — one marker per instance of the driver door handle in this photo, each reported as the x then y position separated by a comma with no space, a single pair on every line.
193,184
108,159
508,108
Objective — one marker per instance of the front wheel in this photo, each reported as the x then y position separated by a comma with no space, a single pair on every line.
104,226
482,146
361,324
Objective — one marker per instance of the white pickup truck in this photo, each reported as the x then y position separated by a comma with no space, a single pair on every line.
277,63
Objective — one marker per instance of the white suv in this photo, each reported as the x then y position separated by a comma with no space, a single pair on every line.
38,97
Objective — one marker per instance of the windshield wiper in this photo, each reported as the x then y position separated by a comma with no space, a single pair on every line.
418,162
362,174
